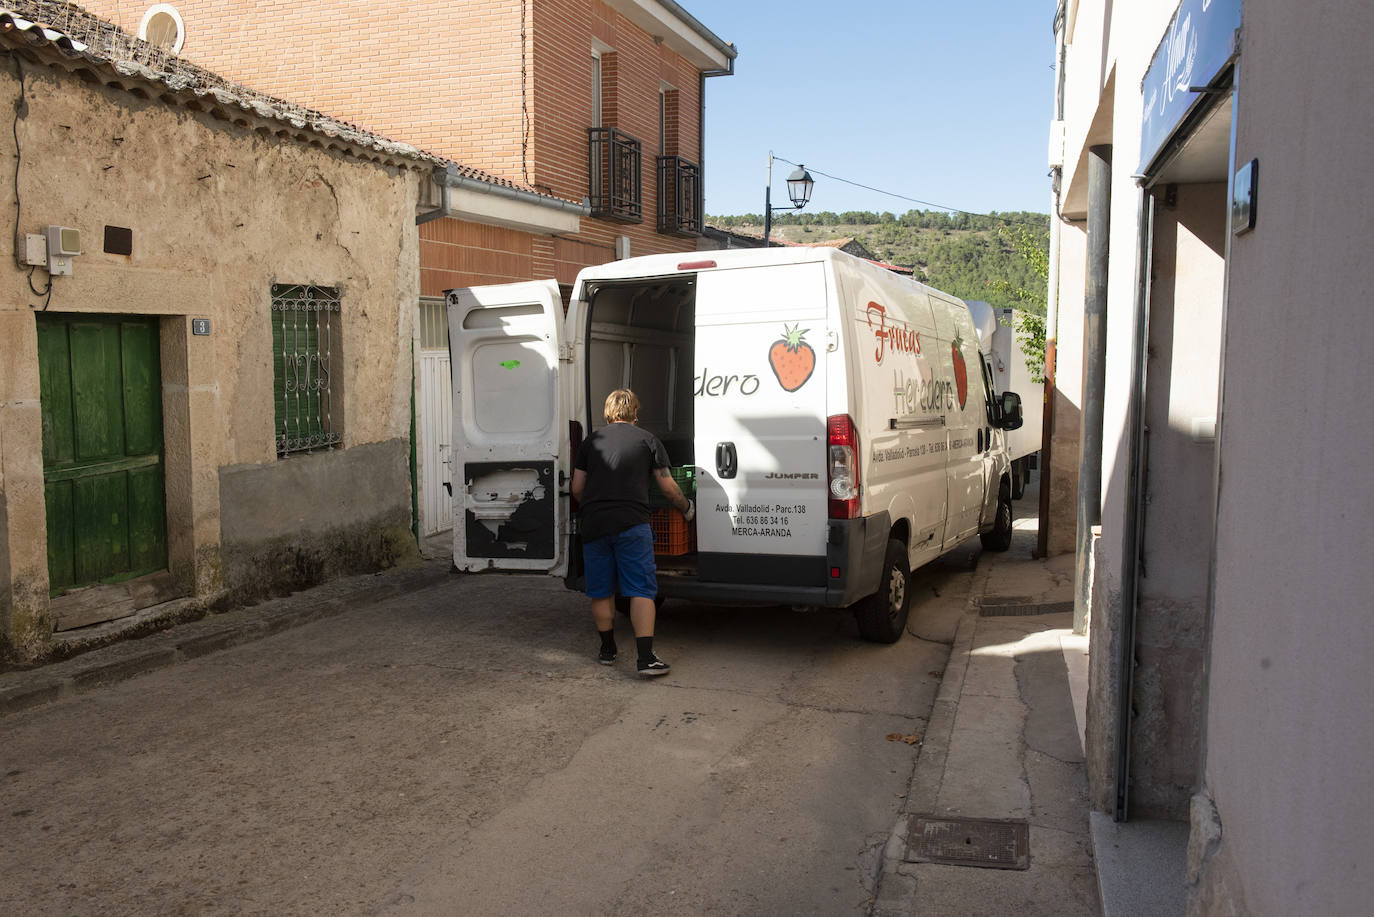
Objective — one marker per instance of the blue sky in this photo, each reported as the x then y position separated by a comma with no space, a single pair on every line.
948,102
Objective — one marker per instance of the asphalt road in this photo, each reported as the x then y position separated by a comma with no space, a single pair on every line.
457,750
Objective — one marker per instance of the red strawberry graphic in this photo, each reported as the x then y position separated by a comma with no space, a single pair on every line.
792,359
960,371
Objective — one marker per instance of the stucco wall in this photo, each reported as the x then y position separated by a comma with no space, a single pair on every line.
218,212
1289,732
292,524
455,80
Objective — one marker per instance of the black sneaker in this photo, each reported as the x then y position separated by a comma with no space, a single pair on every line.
606,657
653,666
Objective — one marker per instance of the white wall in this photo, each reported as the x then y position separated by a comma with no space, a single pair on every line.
1290,733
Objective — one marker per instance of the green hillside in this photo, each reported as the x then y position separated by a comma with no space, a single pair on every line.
961,253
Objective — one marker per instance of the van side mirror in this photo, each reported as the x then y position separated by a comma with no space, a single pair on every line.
1011,411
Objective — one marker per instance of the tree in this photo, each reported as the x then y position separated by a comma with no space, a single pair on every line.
1030,329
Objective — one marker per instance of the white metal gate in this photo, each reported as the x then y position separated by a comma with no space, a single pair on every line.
435,421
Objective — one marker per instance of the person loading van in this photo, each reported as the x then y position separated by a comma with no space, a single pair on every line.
611,484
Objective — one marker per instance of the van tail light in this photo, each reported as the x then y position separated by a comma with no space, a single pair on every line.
843,467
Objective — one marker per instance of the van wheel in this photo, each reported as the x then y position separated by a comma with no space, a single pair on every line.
1019,475
882,616
998,538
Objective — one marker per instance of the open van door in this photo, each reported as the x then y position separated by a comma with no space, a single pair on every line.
759,407
508,428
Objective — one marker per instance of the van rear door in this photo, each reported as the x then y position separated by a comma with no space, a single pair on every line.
759,400
508,425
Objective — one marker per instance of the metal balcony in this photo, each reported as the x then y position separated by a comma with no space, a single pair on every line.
679,196
615,192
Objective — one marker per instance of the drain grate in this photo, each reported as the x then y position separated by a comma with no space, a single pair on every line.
1001,606
987,842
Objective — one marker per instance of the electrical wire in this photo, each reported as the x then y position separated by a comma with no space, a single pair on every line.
888,193
46,292
21,111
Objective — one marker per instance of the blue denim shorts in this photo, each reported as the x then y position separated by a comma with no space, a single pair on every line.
622,563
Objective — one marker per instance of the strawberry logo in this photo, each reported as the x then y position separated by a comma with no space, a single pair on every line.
960,371
792,359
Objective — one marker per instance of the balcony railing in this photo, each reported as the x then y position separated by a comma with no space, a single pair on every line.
679,196
615,187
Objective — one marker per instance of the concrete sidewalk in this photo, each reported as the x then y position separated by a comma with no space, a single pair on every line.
1004,745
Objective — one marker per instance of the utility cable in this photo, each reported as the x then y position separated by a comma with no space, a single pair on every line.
21,111
890,193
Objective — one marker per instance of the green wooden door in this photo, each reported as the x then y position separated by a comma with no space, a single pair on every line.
101,390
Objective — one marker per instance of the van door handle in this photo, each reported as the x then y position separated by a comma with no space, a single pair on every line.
980,439
727,463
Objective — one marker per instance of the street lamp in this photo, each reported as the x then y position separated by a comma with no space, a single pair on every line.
799,185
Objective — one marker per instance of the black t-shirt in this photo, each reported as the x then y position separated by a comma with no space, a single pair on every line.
619,460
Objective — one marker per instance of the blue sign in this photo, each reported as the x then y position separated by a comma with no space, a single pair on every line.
1203,37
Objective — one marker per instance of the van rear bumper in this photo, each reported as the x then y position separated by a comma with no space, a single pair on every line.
848,572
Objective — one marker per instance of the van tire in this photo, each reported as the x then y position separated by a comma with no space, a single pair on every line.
882,616
998,538
1020,474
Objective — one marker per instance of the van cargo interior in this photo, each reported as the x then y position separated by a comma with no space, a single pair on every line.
639,336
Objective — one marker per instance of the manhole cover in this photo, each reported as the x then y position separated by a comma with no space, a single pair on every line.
1000,606
987,842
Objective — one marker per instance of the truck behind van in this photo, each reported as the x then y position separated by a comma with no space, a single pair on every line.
1006,361
835,420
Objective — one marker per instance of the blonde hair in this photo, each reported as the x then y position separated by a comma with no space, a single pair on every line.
621,406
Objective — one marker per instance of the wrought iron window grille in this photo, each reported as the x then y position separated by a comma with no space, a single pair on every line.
615,190
305,342
679,196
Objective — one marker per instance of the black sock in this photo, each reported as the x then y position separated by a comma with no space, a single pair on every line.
607,640
645,645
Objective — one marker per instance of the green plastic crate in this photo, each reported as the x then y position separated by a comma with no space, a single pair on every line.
686,477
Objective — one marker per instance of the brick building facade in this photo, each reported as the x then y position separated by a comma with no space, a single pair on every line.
506,86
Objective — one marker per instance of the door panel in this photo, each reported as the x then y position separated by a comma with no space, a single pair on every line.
97,390
508,427
759,409
142,389
102,526
101,395
147,512
54,380
436,437
61,533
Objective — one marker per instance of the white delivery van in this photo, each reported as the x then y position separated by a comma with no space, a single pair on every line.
838,417
1006,361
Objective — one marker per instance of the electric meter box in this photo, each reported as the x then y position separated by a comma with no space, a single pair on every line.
64,242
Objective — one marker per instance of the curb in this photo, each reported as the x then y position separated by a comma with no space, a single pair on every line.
930,764
24,690
895,895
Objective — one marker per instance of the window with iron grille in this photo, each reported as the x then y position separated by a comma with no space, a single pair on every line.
679,196
305,351
614,169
